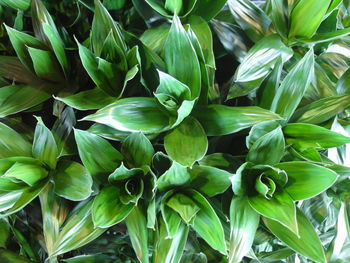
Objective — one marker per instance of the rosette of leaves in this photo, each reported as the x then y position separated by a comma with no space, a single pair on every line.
27,169
41,67
265,187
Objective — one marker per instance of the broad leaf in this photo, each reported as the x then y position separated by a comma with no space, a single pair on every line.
179,51
220,120
72,181
16,4
244,222
107,208
307,243
12,143
187,143
97,155
294,86
44,145
208,9
306,180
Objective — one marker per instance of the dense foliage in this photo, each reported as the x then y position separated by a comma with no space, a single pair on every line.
173,131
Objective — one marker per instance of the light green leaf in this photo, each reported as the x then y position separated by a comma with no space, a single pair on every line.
107,208
44,146
187,143
244,222
88,100
17,98
323,109
12,143
72,181
250,18
26,172
306,135
207,224
16,4
268,149
307,243
135,114
184,206
77,231
280,208
261,59
137,150
171,7
105,157
310,13
294,86
306,180
179,51
221,120
138,233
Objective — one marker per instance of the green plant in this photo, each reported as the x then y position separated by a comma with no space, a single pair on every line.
208,131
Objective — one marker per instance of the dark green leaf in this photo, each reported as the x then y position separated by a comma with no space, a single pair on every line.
12,143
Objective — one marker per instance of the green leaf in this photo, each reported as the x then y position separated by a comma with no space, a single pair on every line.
306,180
19,199
172,87
77,231
179,51
12,69
12,143
9,256
184,206
176,175
221,120
221,161
45,64
259,130
20,42
72,181
138,233
250,18
343,83
102,25
208,9
122,173
26,172
323,109
307,243
294,86
154,38
17,98
105,158
171,7
135,114
244,222
280,208
279,16
306,135
326,37
187,143
107,209
261,59
268,149
88,100
307,12
170,250
16,4
5,232
137,150
44,145
207,224
171,218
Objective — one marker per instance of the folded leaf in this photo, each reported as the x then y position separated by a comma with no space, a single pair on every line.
72,181
44,145
179,51
97,155
268,149
137,150
207,224
107,208
135,114
307,12
280,208
187,143
12,143
294,86
26,172
244,222
306,180
307,243
220,120
261,59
